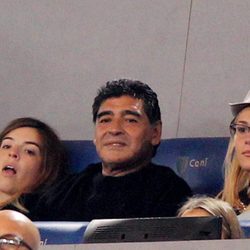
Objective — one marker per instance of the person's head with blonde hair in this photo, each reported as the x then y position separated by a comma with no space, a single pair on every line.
18,231
237,160
207,206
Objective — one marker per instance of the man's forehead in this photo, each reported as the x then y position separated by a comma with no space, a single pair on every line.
122,103
11,227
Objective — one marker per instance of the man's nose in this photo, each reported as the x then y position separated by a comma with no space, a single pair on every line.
116,127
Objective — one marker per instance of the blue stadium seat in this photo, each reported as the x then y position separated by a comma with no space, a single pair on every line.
62,232
198,160
81,153
245,226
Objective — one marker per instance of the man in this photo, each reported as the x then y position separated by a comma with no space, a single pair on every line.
17,230
125,184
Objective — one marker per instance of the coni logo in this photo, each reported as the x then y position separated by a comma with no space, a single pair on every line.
184,162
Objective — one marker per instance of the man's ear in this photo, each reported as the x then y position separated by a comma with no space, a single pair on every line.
94,141
156,133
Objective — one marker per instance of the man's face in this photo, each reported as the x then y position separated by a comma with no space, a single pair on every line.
123,133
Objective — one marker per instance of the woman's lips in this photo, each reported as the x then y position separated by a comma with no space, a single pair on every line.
9,170
246,153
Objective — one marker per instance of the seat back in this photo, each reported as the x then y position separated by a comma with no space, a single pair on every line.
198,160
61,232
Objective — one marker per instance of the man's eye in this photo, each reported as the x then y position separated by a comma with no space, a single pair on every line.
104,120
132,120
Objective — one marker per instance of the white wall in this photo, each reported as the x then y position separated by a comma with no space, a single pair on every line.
55,54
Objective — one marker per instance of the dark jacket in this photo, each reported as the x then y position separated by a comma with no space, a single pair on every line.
153,191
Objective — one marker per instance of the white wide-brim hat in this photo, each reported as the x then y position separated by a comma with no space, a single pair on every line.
238,106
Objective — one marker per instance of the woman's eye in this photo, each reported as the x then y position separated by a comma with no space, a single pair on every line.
5,146
242,129
30,152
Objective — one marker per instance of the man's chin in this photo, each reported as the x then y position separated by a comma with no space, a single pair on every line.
116,170
115,164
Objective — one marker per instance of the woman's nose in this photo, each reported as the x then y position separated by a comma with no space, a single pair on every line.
14,154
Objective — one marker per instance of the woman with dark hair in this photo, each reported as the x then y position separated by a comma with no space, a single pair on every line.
32,158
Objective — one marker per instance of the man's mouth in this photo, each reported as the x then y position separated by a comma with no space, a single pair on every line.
115,144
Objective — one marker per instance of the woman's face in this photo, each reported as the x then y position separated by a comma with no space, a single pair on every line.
242,140
21,159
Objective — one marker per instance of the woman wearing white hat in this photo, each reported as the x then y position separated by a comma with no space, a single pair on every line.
236,190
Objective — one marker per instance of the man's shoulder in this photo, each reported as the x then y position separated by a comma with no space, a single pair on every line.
160,173
90,170
77,179
167,175
160,169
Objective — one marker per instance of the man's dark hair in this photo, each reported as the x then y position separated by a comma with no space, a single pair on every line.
133,88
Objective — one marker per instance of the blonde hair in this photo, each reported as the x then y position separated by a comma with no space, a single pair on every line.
236,178
230,225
